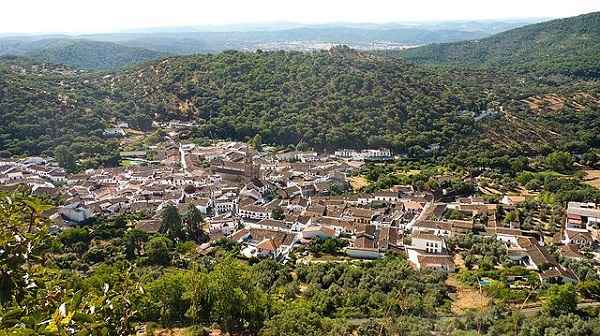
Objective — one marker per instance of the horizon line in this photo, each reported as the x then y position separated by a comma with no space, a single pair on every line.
221,27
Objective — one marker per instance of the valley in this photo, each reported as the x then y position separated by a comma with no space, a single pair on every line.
162,183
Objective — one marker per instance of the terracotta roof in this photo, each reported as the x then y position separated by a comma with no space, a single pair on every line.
275,223
253,208
558,272
579,235
150,225
508,231
570,251
316,209
279,237
238,235
535,252
268,245
426,236
361,212
426,261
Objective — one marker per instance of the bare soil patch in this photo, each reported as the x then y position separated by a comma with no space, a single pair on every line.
592,178
465,298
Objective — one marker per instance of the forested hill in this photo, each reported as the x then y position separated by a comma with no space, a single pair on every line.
327,100
343,98
43,106
79,53
570,45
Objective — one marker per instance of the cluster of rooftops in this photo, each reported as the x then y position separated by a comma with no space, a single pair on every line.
272,203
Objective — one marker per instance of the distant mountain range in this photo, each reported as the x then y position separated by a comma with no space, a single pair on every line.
570,45
115,50
79,53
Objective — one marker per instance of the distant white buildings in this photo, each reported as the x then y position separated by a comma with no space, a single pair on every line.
382,154
114,132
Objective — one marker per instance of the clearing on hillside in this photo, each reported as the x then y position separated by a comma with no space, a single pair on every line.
592,178
465,298
358,182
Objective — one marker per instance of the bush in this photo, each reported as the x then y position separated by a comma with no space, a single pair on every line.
560,300
157,250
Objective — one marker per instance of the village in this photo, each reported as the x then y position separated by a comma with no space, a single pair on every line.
274,203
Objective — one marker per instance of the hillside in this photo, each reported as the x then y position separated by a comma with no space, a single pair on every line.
569,45
339,98
43,106
331,99
344,98
82,54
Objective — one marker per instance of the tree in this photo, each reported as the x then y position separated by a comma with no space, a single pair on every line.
590,289
256,142
234,300
65,158
518,164
76,239
36,206
165,298
193,220
157,250
534,185
22,245
170,224
512,216
134,240
142,122
196,292
561,162
297,320
560,300
277,213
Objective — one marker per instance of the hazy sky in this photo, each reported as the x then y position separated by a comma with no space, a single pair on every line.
113,15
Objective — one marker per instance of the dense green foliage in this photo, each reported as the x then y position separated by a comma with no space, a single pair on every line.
42,107
67,282
342,98
326,100
78,53
99,280
569,45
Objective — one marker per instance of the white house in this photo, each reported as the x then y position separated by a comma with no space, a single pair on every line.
114,132
254,212
428,242
363,253
224,205
75,212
